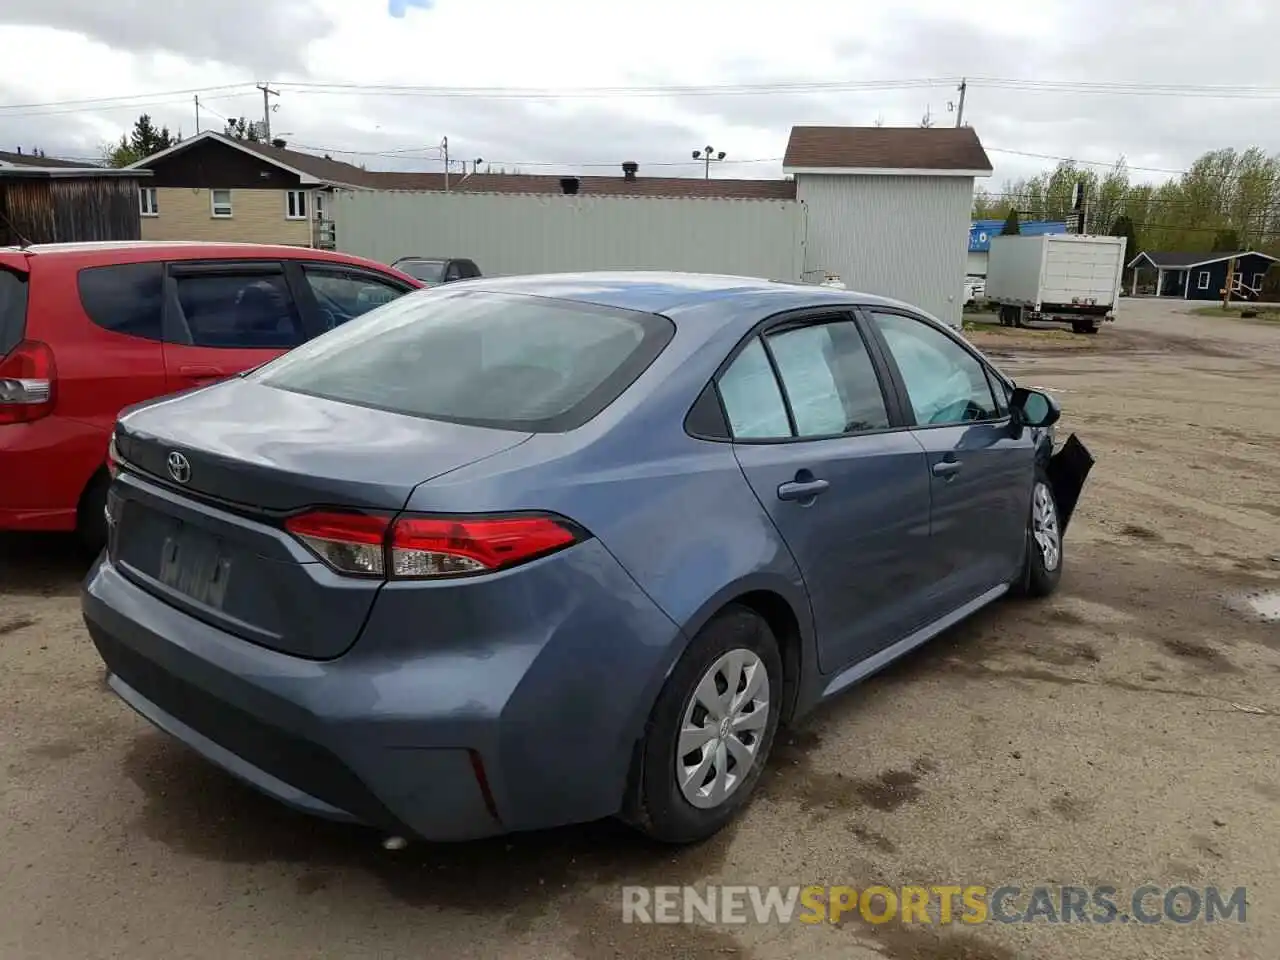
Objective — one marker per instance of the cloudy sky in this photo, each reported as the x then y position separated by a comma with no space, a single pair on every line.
77,72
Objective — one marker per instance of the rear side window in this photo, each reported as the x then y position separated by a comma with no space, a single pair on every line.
242,311
496,360
125,298
13,309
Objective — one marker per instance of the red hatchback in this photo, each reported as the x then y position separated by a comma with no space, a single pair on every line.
88,329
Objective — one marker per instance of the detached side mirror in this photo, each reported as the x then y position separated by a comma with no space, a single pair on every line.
1032,408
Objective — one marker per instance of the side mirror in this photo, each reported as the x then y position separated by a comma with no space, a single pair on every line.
1033,408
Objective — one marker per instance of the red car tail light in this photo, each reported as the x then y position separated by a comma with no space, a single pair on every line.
418,547
27,381
448,546
351,543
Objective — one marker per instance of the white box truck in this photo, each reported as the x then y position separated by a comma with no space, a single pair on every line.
1060,277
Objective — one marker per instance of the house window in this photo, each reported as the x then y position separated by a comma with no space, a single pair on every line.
1257,280
295,205
1203,282
147,203
220,203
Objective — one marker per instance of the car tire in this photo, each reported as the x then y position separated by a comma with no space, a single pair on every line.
91,515
1042,568
737,642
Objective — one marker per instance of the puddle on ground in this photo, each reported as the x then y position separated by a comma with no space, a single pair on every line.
1264,604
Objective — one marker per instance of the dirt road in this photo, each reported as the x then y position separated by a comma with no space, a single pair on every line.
1123,733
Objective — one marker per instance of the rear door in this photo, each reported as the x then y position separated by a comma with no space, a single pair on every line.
820,441
120,361
330,294
980,470
223,317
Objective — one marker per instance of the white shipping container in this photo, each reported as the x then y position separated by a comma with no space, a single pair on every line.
1055,271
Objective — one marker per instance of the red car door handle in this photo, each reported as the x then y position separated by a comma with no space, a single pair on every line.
202,373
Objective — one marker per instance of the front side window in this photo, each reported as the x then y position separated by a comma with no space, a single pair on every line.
148,204
342,296
945,383
124,298
220,203
497,360
241,311
829,379
295,204
1203,281
751,398
428,271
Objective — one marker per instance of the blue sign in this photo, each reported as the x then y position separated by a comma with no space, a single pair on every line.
981,231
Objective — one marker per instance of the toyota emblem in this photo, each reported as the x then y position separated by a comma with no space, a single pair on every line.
179,467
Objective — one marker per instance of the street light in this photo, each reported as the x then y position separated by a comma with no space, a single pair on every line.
706,155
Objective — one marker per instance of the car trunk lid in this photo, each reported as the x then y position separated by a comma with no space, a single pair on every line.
206,482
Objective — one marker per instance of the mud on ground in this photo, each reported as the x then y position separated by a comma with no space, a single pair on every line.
1123,732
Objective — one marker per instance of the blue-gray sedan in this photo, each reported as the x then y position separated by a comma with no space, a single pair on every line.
534,551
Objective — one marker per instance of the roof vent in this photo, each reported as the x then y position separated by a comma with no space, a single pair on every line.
568,185
630,169
281,144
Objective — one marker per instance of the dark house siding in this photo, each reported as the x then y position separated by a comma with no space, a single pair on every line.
68,209
1218,276
216,166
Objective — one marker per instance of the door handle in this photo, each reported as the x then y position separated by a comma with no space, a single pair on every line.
946,468
801,489
202,373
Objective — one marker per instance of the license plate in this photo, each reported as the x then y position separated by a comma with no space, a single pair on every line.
192,564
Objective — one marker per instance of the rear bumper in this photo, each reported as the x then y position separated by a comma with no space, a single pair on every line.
44,467
397,740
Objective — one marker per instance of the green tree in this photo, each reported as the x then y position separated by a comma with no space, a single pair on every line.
142,141
1123,227
1226,241
1011,227
242,129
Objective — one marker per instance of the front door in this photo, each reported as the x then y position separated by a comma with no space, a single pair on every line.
980,468
847,491
225,317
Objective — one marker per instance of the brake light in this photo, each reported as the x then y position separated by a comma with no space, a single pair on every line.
418,547
27,380
352,543
448,546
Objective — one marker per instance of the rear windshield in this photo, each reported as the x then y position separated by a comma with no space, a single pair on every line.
428,271
13,309
495,360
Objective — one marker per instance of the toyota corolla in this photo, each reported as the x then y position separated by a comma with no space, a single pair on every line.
541,550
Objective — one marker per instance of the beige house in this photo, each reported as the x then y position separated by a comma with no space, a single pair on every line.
214,187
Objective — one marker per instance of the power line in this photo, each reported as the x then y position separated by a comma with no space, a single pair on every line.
129,96
1124,88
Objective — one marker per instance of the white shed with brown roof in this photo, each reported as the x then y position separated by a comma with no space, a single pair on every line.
888,208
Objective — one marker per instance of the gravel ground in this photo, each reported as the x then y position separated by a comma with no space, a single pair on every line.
1123,732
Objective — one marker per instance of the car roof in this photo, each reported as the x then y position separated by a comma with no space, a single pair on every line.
125,251
672,293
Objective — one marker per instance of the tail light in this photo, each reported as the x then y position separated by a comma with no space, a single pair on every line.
27,380
419,547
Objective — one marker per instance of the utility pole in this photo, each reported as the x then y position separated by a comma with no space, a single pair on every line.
197,113
444,145
267,92
964,85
